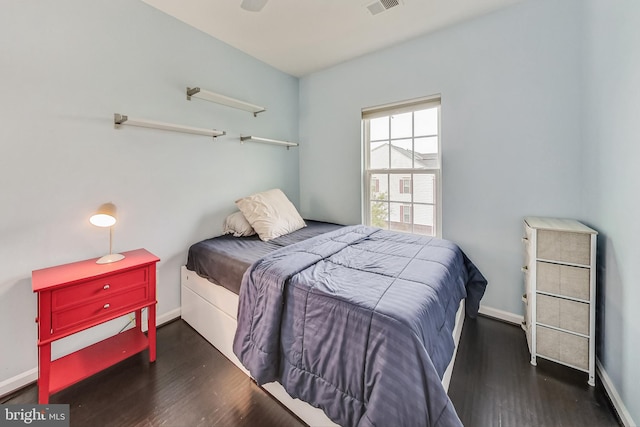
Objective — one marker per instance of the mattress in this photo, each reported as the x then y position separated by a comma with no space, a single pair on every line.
224,259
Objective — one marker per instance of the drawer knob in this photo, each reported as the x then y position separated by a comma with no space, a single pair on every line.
105,287
524,269
525,239
107,305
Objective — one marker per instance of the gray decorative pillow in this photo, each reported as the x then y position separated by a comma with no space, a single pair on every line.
237,225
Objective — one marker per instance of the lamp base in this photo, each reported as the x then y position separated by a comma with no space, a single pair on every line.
110,258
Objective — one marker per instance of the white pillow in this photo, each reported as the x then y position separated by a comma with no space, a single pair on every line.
237,225
270,214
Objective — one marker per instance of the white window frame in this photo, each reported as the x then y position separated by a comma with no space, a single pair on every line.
393,109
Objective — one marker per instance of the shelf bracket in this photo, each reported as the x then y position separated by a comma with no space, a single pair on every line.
119,119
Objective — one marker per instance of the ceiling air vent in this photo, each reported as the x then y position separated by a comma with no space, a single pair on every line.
382,5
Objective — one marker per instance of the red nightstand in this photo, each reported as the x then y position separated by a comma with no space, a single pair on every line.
74,297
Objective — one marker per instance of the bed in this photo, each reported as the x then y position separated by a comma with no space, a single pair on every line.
314,340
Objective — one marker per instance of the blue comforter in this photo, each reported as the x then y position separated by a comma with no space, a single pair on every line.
358,322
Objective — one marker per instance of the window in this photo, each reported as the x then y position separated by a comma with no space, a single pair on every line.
405,213
402,183
405,185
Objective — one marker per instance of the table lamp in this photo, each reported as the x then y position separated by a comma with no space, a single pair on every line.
105,216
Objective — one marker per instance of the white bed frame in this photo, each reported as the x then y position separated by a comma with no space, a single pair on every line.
211,310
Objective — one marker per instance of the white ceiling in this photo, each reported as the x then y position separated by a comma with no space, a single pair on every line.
303,36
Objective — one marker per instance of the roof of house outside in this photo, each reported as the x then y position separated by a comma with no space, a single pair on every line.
421,160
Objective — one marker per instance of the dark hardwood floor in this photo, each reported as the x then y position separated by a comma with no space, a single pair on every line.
493,384
192,384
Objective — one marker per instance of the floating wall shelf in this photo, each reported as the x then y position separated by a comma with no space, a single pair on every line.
268,141
196,92
121,119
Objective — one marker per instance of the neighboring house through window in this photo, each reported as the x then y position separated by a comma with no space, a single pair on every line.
402,184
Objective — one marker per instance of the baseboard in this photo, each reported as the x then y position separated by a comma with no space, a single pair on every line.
614,396
501,315
12,384
168,316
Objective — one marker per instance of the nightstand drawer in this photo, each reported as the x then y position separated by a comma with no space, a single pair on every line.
562,246
563,313
93,311
563,280
563,347
104,287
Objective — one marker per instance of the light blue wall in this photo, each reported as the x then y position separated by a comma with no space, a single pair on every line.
510,129
540,107
612,183
66,67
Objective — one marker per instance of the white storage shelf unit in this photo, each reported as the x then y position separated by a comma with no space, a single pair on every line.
560,290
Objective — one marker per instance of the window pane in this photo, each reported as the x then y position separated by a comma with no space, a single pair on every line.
424,186
427,145
379,214
426,122
397,215
426,155
379,128
423,220
400,187
379,155
401,154
401,126
379,186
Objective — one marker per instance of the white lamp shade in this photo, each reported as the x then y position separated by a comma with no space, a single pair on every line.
102,220
105,216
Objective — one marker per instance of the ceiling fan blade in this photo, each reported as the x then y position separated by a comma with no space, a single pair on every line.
253,5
